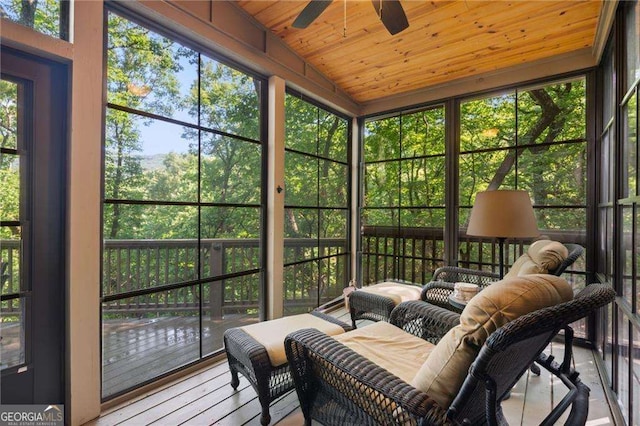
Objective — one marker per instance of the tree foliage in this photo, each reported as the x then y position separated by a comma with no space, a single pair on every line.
152,74
405,170
183,162
41,15
9,163
532,139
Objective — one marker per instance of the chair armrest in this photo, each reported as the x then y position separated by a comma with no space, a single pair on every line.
424,320
437,293
453,274
354,385
331,319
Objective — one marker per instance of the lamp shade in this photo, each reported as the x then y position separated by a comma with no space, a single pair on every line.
503,214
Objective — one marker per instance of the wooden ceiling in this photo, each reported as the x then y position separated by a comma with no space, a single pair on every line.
445,41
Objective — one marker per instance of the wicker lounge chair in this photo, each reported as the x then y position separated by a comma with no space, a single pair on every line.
375,302
437,292
336,385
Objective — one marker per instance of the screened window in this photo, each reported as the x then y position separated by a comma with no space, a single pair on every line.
317,196
606,200
50,17
182,215
626,220
403,214
531,139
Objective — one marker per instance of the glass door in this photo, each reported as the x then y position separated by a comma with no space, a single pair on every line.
32,117
15,298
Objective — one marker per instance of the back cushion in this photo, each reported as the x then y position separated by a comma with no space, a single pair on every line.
524,265
541,257
444,371
548,254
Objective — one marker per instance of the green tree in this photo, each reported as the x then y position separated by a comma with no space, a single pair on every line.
229,101
141,74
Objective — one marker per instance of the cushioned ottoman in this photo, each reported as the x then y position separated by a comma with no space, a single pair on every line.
257,351
375,302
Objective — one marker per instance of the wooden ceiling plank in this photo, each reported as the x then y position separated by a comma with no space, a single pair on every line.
461,47
513,56
395,84
445,40
369,29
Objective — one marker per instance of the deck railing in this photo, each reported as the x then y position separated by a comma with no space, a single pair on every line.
10,276
134,265
131,265
413,254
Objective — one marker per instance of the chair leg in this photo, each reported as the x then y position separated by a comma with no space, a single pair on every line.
352,313
535,369
235,380
264,395
266,417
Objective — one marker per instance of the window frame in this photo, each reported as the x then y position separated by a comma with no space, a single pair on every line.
318,207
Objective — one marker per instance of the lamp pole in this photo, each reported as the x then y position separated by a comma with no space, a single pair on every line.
501,241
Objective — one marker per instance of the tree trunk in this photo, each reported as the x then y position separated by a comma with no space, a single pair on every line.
116,185
551,117
28,12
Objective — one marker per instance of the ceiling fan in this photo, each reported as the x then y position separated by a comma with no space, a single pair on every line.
390,12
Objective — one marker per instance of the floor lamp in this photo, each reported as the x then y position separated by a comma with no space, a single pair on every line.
502,214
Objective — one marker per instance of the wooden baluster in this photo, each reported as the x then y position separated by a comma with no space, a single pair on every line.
167,255
216,290
106,286
119,288
377,259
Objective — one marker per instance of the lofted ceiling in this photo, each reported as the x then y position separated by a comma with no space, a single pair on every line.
445,41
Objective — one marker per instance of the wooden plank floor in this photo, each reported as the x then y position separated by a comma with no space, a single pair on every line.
206,397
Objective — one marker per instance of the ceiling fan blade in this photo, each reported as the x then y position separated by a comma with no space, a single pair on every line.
393,16
310,13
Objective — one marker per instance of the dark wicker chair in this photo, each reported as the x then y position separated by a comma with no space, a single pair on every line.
335,385
370,306
437,292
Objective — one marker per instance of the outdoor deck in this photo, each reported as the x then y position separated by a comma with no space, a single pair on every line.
173,341
205,397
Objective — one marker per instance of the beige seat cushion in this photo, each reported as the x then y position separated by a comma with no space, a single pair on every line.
442,374
397,292
389,347
271,334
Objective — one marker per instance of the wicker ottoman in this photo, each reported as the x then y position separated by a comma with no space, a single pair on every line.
257,351
375,302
